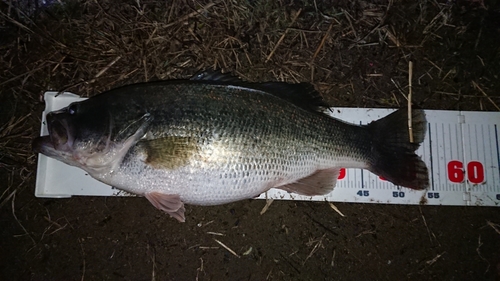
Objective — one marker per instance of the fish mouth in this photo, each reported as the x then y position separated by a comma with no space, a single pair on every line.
44,146
59,133
60,139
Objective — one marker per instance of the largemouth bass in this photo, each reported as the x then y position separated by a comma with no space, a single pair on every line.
215,139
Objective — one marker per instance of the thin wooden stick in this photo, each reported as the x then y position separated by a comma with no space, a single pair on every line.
410,121
481,90
322,43
107,67
227,248
197,12
336,209
283,36
268,203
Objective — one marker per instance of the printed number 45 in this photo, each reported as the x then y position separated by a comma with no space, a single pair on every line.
363,193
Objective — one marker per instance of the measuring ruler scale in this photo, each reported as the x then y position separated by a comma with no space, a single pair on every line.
461,150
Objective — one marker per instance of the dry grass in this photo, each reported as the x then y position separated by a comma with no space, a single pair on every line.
356,53
97,45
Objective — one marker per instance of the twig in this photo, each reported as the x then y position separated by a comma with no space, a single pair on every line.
495,226
410,121
431,262
391,36
17,23
269,201
427,227
197,12
478,36
333,259
336,209
479,244
425,223
282,36
365,232
208,248
153,259
15,217
216,233
399,88
29,73
7,198
145,69
227,248
59,227
321,43
488,97
247,252
107,67
199,269
318,243
83,256
348,17
395,98
435,65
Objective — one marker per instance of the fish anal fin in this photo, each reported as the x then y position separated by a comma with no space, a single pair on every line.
169,152
169,203
320,182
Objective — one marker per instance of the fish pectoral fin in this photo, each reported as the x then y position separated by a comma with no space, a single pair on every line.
169,152
320,182
169,203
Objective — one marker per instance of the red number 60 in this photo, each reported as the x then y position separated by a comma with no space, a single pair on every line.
456,172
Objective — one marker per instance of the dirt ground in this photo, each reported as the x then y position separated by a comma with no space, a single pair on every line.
356,53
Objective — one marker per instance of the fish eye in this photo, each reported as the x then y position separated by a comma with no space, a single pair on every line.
72,109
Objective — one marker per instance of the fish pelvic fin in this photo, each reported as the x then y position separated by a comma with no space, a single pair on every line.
393,155
169,203
320,182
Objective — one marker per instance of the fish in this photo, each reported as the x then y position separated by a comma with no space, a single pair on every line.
215,139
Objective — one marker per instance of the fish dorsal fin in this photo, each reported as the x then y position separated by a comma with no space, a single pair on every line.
302,95
216,75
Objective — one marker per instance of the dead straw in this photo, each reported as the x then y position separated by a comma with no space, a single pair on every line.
107,67
410,87
317,243
495,226
283,36
17,220
269,201
227,248
322,43
488,97
190,15
336,209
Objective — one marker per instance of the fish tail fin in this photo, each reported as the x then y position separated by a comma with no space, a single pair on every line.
394,155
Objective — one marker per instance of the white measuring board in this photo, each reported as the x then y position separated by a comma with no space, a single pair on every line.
461,150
